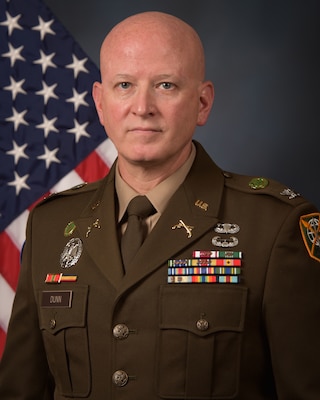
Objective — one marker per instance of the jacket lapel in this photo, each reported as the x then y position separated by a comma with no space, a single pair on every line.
98,228
192,211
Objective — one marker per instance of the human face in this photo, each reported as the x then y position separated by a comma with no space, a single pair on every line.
151,98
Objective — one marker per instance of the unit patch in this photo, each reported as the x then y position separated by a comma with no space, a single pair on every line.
310,229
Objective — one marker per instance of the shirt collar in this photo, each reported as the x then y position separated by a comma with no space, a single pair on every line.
159,195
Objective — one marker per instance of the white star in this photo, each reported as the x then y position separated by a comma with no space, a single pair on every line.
12,22
77,65
15,87
18,152
14,54
45,61
79,130
17,118
44,27
78,99
48,92
19,182
49,156
48,125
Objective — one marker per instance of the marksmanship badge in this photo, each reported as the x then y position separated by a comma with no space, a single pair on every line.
310,229
71,253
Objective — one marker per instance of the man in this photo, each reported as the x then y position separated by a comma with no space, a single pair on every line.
221,299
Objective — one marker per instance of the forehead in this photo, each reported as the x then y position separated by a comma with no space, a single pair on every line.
148,49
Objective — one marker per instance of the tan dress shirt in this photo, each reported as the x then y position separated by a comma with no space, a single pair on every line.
159,195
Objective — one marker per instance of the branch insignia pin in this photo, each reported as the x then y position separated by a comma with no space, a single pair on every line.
181,224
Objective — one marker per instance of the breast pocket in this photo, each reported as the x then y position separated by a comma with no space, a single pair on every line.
63,324
200,341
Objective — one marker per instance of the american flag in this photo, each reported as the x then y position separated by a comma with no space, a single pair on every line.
50,137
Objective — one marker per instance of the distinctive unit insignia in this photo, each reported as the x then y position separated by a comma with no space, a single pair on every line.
290,193
258,183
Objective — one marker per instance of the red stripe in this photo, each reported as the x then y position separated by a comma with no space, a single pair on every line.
92,168
9,260
2,341
38,201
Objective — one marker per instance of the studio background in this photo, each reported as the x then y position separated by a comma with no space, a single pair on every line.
263,58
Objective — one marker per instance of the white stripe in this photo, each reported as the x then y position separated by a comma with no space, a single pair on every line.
17,229
68,181
6,302
107,151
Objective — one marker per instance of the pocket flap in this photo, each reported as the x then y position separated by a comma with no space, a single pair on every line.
222,308
71,311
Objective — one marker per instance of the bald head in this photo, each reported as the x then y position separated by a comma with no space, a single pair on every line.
156,29
152,95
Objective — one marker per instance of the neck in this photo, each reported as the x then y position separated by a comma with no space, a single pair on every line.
143,177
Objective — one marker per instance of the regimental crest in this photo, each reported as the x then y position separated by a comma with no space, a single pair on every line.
310,229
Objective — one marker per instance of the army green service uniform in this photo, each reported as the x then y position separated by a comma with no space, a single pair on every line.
221,302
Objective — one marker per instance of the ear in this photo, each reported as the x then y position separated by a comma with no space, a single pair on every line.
97,97
205,102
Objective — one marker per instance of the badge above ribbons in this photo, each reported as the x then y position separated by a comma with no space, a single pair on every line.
310,229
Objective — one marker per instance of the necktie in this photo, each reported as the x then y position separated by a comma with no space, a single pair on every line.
138,209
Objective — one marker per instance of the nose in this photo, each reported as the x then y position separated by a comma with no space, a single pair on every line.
143,102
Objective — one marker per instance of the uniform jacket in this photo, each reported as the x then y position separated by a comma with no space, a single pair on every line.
135,336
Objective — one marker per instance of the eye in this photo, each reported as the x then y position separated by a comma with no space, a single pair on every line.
166,85
124,85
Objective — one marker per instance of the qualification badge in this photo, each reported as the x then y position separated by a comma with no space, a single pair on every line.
310,229
71,253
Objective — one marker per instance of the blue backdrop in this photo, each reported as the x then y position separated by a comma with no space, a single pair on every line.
263,57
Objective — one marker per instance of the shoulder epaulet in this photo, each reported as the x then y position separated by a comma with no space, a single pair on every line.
262,186
78,189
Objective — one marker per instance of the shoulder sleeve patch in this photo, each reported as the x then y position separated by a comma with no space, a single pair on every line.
310,230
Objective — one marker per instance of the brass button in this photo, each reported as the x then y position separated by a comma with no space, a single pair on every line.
121,331
120,378
52,323
202,324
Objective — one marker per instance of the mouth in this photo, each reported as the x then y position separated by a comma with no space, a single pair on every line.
140,129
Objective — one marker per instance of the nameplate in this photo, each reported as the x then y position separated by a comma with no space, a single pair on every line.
57,298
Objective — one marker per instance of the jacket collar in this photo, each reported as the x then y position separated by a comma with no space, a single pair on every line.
194,206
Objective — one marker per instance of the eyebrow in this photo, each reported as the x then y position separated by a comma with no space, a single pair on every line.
156,77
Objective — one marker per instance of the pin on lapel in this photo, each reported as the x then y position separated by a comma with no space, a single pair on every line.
95,224
290,193
181,224
201,204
